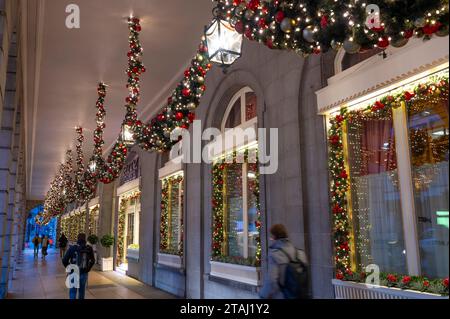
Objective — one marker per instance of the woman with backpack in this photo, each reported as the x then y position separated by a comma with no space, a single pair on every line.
287,276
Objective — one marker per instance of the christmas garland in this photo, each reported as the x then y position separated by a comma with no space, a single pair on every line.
311,26
340,180
165,211
218,227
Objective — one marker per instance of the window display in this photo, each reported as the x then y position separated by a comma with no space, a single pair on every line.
171,227
367,193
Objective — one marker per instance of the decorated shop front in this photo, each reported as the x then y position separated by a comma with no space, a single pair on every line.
128,217
236,216
388,161
170,259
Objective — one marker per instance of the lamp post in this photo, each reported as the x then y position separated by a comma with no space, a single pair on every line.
223,41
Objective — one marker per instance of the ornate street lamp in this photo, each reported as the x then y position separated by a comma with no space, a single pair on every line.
127,135
223,41
93,165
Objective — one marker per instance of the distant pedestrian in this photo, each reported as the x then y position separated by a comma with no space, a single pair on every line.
62,242
83,257
287,276
36,240
44,248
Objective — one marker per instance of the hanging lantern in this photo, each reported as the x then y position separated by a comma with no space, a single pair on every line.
127,135
92,166
224,42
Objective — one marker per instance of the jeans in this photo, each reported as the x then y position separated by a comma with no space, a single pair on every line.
82,290
36,250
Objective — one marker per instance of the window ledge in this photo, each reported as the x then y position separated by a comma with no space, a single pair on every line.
171,261
133,254
243,274
354,290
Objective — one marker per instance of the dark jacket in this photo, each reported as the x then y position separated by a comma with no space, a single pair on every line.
70,254
277,263
63,241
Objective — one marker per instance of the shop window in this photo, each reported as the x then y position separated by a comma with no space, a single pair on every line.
235,198
171,232
375,196
381,181
428,125
128,225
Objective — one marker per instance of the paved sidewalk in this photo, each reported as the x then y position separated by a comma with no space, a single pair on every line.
39,279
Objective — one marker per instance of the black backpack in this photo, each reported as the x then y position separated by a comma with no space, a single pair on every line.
296,282
81,258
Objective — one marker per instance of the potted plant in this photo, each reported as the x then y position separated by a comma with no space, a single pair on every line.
93,240
107,263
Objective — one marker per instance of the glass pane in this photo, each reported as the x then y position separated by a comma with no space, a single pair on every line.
130,229
250,106
234,211
252,186
428,132
234,118
174,218
375,196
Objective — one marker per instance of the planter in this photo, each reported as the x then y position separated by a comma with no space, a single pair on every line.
107,264
353,290
245,274
133,254
173,261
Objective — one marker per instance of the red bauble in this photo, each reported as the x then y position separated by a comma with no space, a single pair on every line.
383,42
186,92
179,116
324,22
248,34
191,117
269,43
408,34
253,4
187,73
279,16
262,24
239,27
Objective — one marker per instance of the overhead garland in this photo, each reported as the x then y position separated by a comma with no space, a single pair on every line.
340,179
311,26
305,27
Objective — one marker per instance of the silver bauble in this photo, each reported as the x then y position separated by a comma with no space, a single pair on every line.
200,58
308,34
335,45
419,22
286,25
249,14
351,47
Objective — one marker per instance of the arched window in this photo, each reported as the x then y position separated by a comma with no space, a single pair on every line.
241,110
236,211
